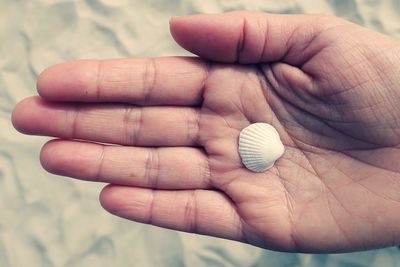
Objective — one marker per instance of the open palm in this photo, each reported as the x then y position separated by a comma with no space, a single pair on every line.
171,126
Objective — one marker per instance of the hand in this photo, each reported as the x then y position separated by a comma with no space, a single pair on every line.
164,131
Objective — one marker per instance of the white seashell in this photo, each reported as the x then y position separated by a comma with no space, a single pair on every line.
260,146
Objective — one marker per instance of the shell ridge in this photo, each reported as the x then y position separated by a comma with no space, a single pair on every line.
260,146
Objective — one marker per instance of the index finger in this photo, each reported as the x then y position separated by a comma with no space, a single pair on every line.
140,81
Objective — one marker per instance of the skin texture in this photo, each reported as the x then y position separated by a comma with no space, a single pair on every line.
164,131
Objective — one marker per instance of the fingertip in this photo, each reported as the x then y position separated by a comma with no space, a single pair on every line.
172,25
17,115
177,27
50,79
49,153
76,159
67,81
109,198
173,19
210,36
42,81
35,116
103,195
22,115
132,203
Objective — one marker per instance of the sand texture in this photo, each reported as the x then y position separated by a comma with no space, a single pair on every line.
51,221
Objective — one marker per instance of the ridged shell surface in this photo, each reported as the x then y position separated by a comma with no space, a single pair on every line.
260,146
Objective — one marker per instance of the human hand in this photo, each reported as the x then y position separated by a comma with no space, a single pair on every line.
331,88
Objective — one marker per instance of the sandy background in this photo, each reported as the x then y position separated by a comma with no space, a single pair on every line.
51,221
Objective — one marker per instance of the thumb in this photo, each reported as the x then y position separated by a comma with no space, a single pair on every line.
250,37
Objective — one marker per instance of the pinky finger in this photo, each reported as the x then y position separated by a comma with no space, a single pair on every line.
196,211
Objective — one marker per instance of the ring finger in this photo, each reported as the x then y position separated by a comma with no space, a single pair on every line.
158,168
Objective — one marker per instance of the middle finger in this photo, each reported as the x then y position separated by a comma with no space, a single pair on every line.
110,123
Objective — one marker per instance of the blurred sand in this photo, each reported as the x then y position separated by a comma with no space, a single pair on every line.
51,221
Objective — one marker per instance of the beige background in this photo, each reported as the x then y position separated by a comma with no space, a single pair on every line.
51,221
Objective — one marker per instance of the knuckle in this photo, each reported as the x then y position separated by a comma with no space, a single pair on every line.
149,79
152,168
190,212
132,123
99,79
193,122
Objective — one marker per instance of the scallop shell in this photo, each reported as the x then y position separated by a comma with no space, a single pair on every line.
260,146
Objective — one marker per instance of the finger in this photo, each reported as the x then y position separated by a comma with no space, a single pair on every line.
161,168
251,37
115,123
144,81
196,211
